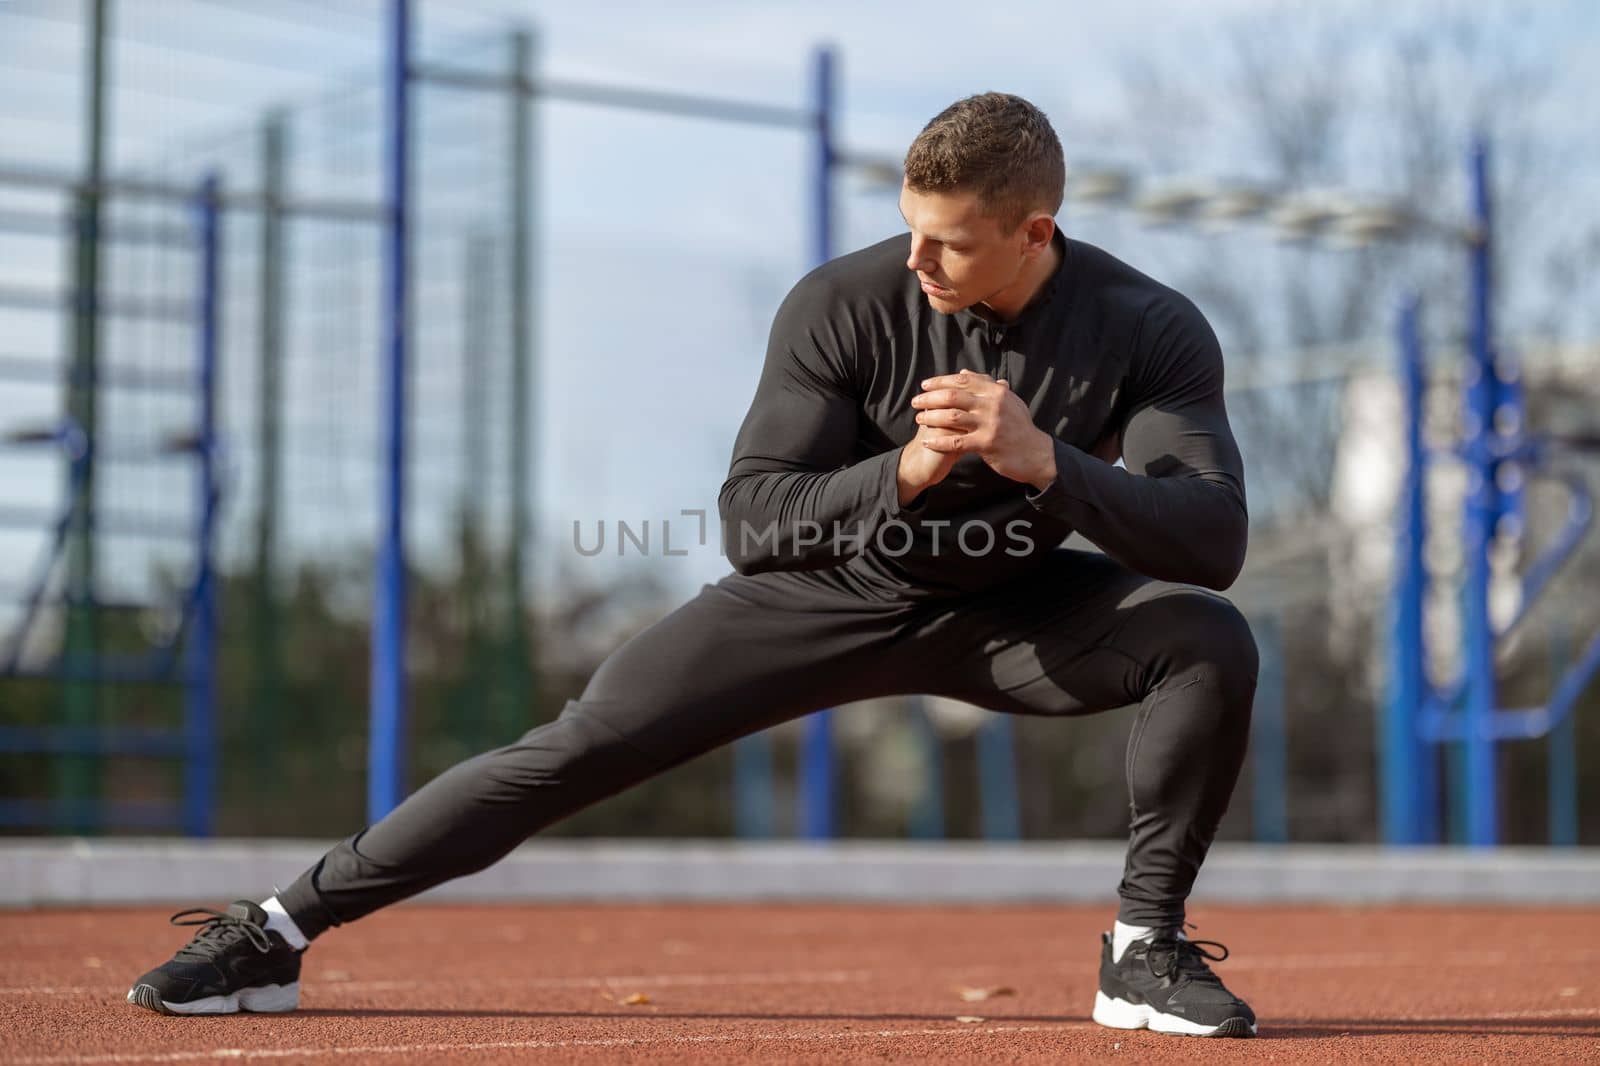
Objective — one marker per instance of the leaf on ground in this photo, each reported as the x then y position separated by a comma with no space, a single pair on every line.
636,999
978,995
969,1018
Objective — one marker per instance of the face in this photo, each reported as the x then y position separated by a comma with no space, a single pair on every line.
964,257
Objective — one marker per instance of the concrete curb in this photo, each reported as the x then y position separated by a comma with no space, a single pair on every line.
182,871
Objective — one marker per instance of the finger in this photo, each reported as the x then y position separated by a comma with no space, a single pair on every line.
957,380
946,418
960,398
946,445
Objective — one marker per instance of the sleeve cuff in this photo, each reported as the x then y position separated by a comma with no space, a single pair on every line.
1044,498
890,490
1052,499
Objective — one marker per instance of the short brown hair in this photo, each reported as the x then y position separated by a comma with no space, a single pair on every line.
996,145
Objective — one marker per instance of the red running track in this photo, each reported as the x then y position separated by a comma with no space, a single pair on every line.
420,984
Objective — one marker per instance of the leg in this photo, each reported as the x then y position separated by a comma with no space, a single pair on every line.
1085,635
745,654
1187,745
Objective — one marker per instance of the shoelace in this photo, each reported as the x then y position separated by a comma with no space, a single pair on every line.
217,931
1184,958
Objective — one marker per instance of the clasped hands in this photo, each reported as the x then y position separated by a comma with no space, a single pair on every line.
969,413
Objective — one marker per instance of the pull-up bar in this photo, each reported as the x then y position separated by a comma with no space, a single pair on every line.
1496,449
684,105
388,721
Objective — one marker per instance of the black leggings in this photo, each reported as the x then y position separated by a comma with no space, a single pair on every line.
1078,635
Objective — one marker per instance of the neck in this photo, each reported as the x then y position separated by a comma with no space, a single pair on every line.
1010,302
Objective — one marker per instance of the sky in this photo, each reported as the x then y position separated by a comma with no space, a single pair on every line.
665,243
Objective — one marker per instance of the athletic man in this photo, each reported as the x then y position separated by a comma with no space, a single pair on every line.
936,413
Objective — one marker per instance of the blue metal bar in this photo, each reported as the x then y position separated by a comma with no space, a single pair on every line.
200,694
386,756
69,740
1525,723
817,777
1573,682
816,821
997,780
1269,741
1482,796
1407,771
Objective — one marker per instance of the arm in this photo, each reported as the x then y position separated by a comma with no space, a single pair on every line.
1177,513
791,484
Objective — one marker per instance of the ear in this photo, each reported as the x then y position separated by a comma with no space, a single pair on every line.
1036,233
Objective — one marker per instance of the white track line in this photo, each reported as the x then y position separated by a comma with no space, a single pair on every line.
1495,1016
532,1045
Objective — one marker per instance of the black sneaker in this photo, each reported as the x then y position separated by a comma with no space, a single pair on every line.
1163,984
234,963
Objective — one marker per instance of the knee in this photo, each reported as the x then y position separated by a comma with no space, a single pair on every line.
1207,639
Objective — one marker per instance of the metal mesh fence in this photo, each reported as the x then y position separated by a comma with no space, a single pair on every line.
618,432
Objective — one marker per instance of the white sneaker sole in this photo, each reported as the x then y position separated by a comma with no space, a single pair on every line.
1116,1013
261,999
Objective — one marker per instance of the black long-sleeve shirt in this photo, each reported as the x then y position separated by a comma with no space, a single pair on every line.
1103,356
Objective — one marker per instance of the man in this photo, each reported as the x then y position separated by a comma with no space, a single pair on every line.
935,415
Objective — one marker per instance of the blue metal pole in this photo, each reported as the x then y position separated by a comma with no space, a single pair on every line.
200,681
1406,779
997,781
1479,753
816,814
386,755
1269,741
